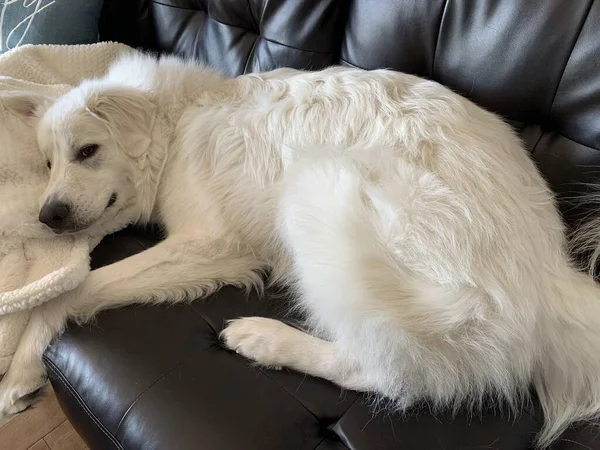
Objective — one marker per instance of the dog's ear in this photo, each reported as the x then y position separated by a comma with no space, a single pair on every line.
129,111
28,105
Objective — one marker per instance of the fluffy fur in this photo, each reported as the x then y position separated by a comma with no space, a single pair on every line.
420,239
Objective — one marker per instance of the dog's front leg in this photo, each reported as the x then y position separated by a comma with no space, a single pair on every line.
176,269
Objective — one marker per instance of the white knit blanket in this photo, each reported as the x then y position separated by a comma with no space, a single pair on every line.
36,265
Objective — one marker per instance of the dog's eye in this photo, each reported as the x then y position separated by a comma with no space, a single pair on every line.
87,151
48,164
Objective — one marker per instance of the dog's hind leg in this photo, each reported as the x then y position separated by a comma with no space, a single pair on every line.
388,290
321,222
175,270
274,344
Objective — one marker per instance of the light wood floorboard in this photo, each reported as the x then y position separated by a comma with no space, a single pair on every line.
42,427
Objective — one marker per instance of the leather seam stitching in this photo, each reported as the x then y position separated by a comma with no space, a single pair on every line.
208,16
557,133
319,444
202,317
294,48
251,53
54,368
583,144
585,17
273,380
186,8
537,142
259,36
437,40
334,424
248,30
254,21
133,403
322,441
578,142
352,64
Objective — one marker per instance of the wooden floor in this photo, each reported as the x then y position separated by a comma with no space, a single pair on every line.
42,427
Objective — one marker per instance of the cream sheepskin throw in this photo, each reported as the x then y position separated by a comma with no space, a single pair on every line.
35,264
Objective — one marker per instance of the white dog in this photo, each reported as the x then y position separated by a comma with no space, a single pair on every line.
420,239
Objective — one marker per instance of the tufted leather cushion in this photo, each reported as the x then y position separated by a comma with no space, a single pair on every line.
156,378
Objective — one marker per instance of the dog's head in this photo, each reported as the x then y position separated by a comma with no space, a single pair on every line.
93,138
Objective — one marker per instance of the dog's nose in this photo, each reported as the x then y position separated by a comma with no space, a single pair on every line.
55,214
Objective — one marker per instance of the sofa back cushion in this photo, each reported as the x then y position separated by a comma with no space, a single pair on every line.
537,64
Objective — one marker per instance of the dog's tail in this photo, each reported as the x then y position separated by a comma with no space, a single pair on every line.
567,379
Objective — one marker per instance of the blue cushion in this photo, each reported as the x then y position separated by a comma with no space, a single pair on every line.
48,22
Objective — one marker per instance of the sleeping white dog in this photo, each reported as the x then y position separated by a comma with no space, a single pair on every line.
418,236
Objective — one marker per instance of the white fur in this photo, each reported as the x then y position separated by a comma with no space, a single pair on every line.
418,236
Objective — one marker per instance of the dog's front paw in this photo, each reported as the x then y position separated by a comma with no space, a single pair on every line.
259,339
19,390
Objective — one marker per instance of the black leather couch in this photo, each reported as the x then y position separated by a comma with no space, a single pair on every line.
157,378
